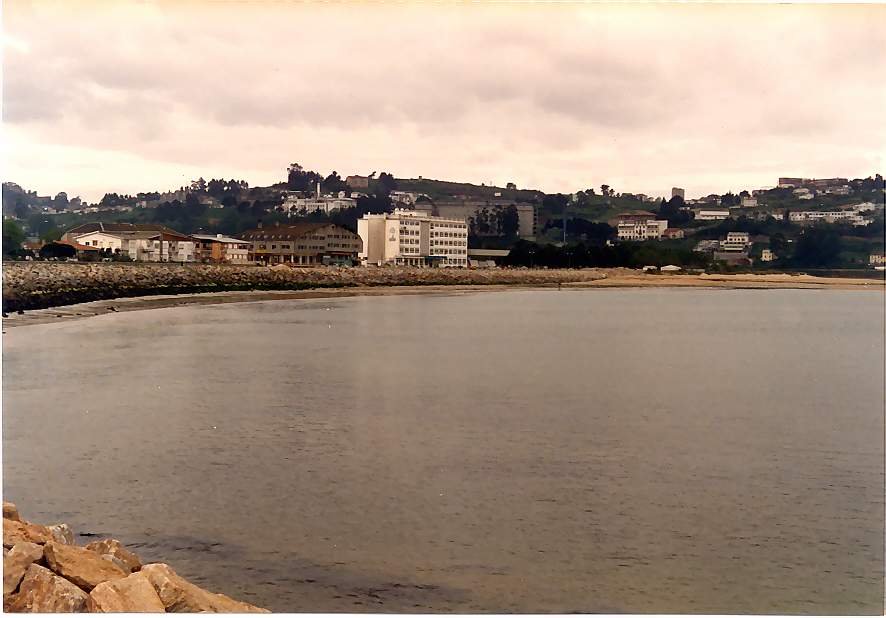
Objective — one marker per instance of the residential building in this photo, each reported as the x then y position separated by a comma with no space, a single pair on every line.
851,215
99,226
413,238
748,202
736,241
632,216
294,202
711,215
357,182
302,244
706,246
159,246
767,255
219,248
672,233
877,259
650,229
678,192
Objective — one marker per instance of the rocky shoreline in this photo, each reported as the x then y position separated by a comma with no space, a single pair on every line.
40,285
45,571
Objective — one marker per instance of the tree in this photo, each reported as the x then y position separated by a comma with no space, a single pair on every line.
13,236
818,246
300,179
60,201
334,183
604,190
386,182
57,250
510,222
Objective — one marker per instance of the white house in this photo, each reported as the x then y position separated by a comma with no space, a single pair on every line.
413,238
650,229
767,255
736,241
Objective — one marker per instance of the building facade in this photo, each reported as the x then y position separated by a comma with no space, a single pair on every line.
219,248
413,238
736,241
711,215
650,229
305,244
678,192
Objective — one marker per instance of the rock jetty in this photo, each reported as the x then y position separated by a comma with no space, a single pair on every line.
45,571
39,285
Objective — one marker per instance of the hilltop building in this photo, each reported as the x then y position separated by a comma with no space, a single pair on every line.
711,215
413,238
678,192
302,244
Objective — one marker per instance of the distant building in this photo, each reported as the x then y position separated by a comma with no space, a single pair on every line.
748,202
767,255
632,216
511,186
736,241
706,246
790,183
650,229
711,215
877,259
852,216
672,233
678,192
357,182
467,209
295,202
218,248
303,244
413,238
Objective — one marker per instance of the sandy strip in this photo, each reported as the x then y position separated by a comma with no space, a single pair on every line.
640,280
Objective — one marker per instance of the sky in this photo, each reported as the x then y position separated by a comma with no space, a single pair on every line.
138,96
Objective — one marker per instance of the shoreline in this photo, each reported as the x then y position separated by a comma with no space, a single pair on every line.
608,281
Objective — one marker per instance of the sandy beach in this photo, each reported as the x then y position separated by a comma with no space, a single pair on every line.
608,279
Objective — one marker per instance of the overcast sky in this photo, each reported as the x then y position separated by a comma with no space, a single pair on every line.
140,96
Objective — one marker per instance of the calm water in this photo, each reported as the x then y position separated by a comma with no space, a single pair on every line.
530,451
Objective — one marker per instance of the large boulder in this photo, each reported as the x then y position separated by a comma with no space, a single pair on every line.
22,531
16,562
113,547
180,595
44,592
10,511
130,594
85,568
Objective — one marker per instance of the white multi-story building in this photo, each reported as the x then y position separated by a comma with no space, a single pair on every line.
650,229
852,216
413,238
736,241
767,255
711,215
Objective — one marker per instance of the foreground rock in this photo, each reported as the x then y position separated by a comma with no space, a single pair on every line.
43,591
179,595
37,285
85,568
17,531
45,571
112,547
16,562
130,594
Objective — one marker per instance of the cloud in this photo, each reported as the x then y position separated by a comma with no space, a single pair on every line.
563,97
